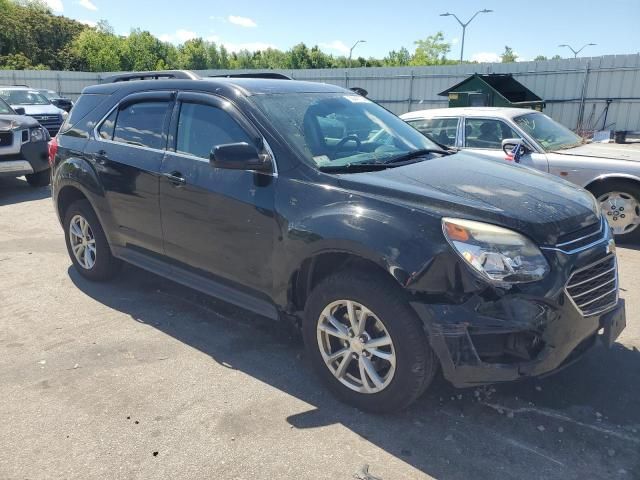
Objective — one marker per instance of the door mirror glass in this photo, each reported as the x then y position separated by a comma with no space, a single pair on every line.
237,156
509,144
19,110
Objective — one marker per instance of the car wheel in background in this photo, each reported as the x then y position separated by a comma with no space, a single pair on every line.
620,202
366,342
40,179
87,244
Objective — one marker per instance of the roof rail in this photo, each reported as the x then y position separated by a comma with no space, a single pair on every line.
16,85
153,75
272,75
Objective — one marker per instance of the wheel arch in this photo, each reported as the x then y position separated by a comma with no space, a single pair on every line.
611,177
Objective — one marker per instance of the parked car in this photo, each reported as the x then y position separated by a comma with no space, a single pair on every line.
36,106
58,100
395,258
609,172
23,147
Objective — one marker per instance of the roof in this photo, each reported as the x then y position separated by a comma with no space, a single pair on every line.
222,85
504,83
498,112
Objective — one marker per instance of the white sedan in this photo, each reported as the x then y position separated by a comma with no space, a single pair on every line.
610,172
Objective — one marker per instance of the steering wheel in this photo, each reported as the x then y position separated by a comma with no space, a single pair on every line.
342,143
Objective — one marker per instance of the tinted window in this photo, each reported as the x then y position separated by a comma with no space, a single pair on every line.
85,104
141,124
441,130
487,133
202,127
106,129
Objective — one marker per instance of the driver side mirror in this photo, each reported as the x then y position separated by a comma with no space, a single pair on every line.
19,110
238,156
509,144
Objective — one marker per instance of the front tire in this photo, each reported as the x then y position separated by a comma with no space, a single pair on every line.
87,244
366,342
39,179
620,203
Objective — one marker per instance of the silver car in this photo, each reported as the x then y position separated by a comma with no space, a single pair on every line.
610,172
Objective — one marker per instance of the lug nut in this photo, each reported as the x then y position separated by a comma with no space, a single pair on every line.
622,215
354,355
365,354
615,218
609,213
621,209
362,338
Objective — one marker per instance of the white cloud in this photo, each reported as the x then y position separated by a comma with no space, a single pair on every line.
91,23
336,45
88,5
55,5
485,57
455,41
180,36
242,21
251,46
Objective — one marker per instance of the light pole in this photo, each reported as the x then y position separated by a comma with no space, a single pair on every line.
576,52
351,50
464,25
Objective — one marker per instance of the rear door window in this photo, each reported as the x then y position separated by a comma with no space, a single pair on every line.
141,124
441,130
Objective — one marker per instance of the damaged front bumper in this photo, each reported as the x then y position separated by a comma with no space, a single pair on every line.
491,338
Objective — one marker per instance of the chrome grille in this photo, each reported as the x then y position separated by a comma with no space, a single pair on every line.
50,122
594,288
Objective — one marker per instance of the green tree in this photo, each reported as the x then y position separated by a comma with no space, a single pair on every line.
432,50
540,58
193,55
99,50
400,58
508,56
142,51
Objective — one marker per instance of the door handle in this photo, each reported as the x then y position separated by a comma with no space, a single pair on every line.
175,178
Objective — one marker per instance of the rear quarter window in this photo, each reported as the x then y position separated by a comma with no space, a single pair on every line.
83,107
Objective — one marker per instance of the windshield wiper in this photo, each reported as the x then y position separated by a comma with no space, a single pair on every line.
417,153
353,167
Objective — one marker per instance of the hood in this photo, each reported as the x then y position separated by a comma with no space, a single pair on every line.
16,122
541,206
603,150
39,109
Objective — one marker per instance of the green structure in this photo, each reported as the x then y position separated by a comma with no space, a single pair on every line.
492,90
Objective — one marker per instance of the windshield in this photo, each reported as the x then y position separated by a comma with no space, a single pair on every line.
551,135
339,129
50,94
23,97
5,109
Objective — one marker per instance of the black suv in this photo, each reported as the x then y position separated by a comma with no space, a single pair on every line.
306,201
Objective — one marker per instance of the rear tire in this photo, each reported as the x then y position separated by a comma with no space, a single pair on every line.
87,244
620,203
39,179
402,368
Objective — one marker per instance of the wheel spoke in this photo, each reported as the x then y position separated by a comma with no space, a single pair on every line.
363,314
340,329
363,376
378,342
351,313
77,249
389,357
342,367
75,230
371,371
336,355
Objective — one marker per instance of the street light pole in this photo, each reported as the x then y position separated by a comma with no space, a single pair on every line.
351,50
576,52
464,26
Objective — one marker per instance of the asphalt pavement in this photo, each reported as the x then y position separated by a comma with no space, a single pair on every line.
141,378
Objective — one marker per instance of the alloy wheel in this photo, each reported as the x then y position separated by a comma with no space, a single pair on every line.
356,346
83,243
622,211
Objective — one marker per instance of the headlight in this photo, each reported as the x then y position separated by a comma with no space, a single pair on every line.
64,114
37,134
499,255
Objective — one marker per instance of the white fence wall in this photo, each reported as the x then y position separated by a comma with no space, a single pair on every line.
577,91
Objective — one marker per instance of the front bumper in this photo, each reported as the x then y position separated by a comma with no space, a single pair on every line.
504,336
31,157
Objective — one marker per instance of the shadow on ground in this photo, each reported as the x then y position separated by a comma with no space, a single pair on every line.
581,423
17,190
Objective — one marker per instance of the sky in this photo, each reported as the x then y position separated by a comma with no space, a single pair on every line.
530,28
